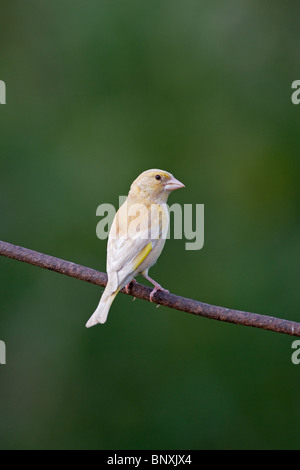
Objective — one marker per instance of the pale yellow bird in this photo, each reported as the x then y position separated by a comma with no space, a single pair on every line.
137,236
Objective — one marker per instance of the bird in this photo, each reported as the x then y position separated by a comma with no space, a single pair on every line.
137,236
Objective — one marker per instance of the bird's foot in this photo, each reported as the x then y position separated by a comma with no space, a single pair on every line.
128,286
157,288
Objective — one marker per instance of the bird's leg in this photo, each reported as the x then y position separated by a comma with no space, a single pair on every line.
127,287
156,286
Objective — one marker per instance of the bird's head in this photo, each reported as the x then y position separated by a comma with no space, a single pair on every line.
154,185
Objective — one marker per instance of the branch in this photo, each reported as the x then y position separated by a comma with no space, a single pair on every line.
142,292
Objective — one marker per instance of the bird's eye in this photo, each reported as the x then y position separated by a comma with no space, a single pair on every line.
158,177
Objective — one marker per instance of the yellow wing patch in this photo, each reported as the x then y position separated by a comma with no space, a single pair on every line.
142,255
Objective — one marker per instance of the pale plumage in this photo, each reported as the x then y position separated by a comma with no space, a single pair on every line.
137,236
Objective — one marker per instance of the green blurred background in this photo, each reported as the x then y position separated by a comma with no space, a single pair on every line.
98,92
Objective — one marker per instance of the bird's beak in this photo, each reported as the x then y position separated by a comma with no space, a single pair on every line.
173,183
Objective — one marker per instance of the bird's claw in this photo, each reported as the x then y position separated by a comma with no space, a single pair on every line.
156,289
127,287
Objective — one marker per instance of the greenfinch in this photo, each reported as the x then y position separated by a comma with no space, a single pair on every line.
137,236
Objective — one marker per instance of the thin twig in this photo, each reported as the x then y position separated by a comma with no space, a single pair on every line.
195,307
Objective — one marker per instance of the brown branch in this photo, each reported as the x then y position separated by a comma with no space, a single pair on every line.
142,292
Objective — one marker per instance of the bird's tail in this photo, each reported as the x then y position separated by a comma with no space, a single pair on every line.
101,312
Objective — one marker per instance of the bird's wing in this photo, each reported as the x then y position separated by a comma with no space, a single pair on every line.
133,235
